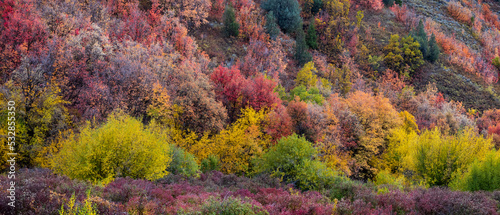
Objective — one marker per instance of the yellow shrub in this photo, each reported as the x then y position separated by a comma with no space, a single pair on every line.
435,157
119,148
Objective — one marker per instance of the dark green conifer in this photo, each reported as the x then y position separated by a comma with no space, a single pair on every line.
271,25
311,37
302,54
421,37
433,50
287,13
231,27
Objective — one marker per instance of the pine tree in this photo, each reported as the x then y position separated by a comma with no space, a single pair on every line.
302,55
271,25
311,37
388,3
317,5
231,27
421,37
287,12
433,50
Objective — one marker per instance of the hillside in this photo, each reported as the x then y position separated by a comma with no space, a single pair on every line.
249,107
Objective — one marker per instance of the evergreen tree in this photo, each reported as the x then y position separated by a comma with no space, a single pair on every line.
388,3
302,55
317,5
287,12
311,37
231,27
421,37
433,50
271,25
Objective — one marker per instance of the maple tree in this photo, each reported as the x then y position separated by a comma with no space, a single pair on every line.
279,123
22,33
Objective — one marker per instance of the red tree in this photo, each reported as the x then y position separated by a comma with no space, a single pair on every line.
279,123
22,32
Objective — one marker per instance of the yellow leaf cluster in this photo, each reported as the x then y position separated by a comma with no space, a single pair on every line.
235,146
433,156
306,75
119,148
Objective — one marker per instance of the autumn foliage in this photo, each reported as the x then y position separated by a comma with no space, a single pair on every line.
264,107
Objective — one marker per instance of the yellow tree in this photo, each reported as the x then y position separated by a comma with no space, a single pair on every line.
235,146
377,117
40,116
243,141
307,75
161,108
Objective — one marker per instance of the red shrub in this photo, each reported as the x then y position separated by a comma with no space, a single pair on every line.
489,16
372,4
460,12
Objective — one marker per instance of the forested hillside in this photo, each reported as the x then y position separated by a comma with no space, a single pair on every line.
249,107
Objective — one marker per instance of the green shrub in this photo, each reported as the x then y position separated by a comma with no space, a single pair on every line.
227,206
312,95
314,175
344,189
291,159
496,62
385,177
183,163
119,148
435,157
210,163
481,175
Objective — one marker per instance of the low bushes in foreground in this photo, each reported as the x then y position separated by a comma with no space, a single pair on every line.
39,191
